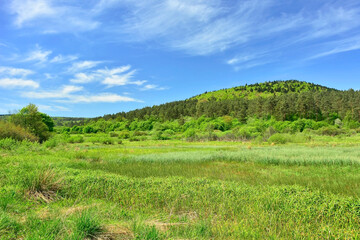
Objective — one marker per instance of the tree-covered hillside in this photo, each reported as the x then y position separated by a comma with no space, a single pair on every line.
284,100
266,89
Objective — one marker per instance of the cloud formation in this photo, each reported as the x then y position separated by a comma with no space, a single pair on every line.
17,83
119,76
51,16
70,94
197,27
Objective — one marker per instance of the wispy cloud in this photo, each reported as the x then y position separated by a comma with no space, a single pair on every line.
38,55
339,47
83,65
152,87
76,94
11,78
63,92
101,98
63,59
119,76
53,108
51,16
11,71
11,83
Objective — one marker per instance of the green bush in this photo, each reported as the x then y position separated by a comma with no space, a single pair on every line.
107,141
330,131
10,130
279,138
113,134
8,144
51,143
134,139
75,139
124,134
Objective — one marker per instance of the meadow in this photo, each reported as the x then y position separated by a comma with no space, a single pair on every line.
173,189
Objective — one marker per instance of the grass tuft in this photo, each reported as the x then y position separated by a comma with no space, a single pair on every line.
88,225
43,184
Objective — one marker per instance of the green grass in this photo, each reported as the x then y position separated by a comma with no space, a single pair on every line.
180,190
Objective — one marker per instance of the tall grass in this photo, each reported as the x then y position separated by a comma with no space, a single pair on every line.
175,190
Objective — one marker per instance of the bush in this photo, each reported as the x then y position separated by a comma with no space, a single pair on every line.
75,139
10,130
124,135
279,138
113,134
107,141
8,144
330,131
51,143
134,139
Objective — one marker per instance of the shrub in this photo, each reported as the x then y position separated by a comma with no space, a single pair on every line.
75,139
134,139
279,138
10,130
8,144
51,143
107,141
124,135
113,134
330,131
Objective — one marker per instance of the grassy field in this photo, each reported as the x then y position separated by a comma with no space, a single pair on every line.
181,190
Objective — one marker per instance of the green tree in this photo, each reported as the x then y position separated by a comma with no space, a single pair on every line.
31,119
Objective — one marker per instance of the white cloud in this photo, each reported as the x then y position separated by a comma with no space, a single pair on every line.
119,76
38,55
63,59
70,94
339,47
52,108
83,65
63,92
51,16
121,80
152,87
15,71
102,98
17,83
83,78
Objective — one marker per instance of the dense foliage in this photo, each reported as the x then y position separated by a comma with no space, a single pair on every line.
10,130
29,118
284,100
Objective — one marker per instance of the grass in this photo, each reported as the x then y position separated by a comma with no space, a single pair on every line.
180,190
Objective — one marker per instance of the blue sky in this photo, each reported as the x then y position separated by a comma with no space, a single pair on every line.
96,57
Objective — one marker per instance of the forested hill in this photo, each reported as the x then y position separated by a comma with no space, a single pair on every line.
266,89
284,100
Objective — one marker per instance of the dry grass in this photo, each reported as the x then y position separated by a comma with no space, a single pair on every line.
43,185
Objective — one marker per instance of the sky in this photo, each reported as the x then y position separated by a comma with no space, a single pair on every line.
90,58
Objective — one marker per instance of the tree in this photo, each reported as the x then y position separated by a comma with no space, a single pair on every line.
34,121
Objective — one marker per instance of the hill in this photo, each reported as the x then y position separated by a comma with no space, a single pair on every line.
266,89
284,100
